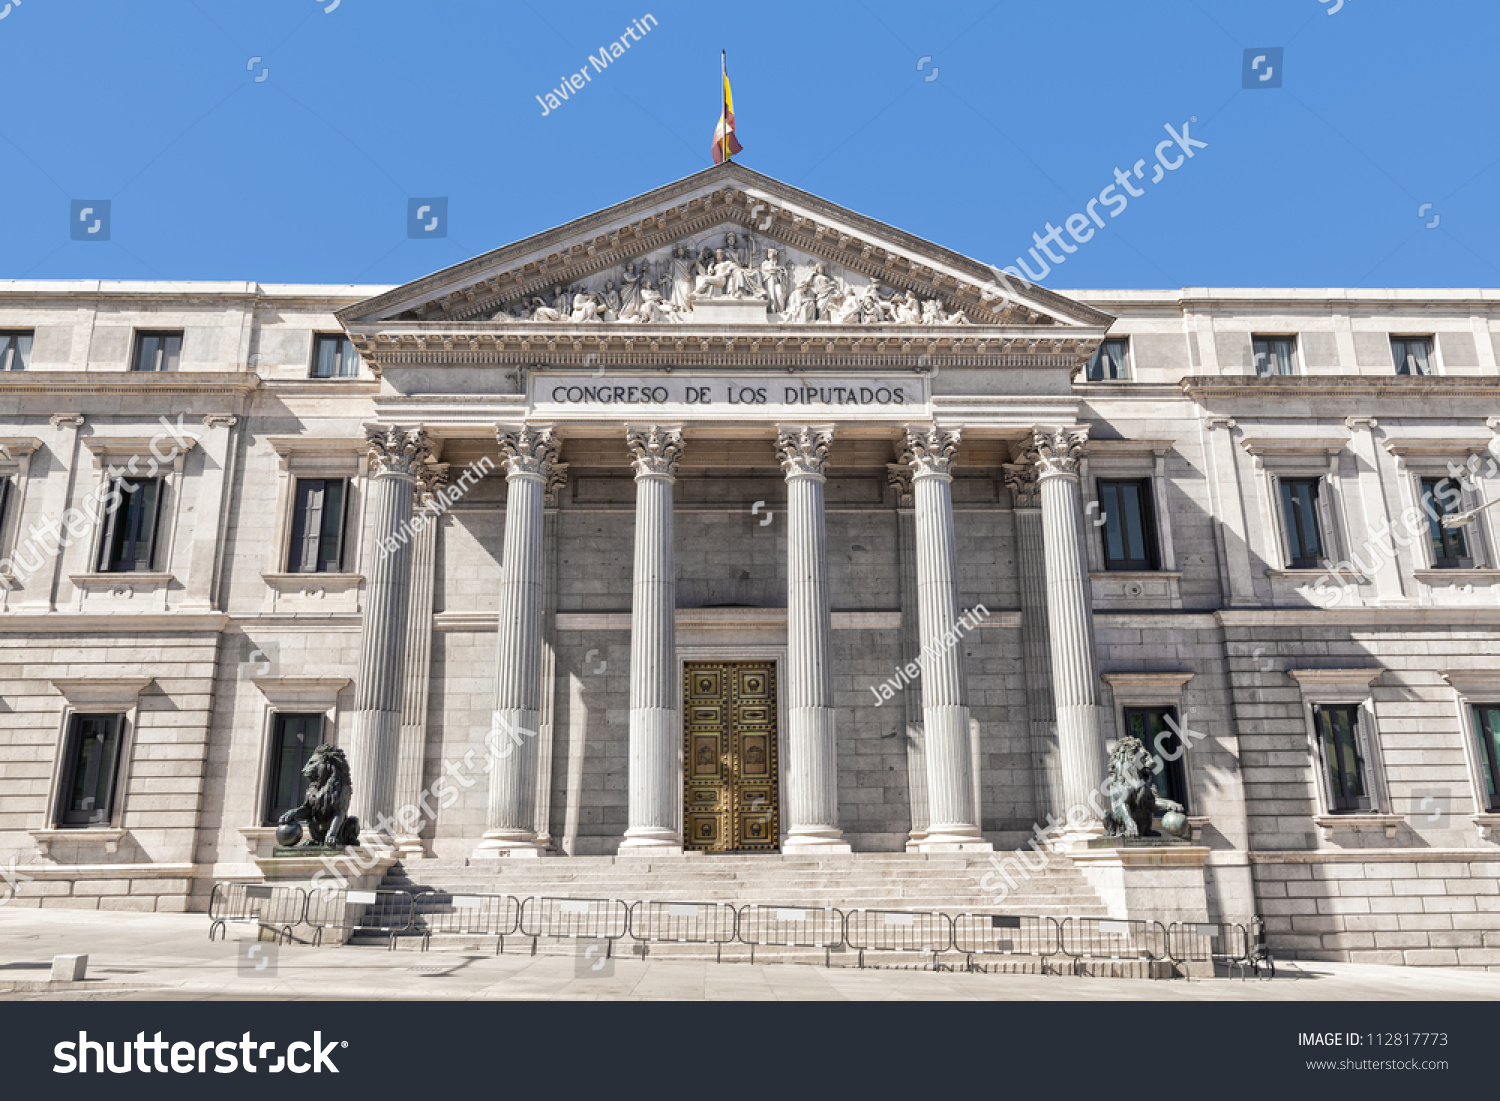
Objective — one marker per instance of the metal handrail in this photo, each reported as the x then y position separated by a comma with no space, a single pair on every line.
266,905
466,915
987,934
386,912
922,931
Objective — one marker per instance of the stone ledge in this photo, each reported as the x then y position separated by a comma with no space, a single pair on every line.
109,835
1328,823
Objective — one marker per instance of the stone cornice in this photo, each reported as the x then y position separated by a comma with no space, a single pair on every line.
798,348
236,383
1362,387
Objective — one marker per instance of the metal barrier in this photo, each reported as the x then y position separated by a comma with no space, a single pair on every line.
263,904
1006,935
441,914
386,912
1113,939
791,927
898,931
1204,941
606,919
713,923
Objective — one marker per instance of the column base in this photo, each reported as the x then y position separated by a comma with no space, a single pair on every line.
646,841
410,848
816,842
1075,837
956,840
499,844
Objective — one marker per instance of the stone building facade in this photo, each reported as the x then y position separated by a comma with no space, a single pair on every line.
625,539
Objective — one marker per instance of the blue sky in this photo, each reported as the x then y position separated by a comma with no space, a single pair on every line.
971,124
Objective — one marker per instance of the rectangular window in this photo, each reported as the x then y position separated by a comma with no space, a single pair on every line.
1110,361
1156,727
1450,546
130,526
1275,355
1129,527
1413,354
1487,726
293,738
15,351
1338,738
157,351
318,526
1299,509
334,357
91,764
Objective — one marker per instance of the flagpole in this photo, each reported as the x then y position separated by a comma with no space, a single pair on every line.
723,106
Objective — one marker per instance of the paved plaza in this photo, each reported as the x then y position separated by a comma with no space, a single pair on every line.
169,956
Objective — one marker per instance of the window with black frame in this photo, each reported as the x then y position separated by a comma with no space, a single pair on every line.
317,544
15,351
1450,546
129,542
1344,765
1275,355
1487,727
1157,729
91,765
157,351
1129,529
1110,361
1300,511
293,738
334,357
1413,355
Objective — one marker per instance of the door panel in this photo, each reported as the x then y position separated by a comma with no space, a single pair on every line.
731,797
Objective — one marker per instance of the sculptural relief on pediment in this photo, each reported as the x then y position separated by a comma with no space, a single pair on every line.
670,285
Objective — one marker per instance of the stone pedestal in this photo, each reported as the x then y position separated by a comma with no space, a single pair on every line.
655,783
356,869
812,802
953,824
1147,878
511,743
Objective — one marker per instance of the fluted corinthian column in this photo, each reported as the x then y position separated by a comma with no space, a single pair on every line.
899,476
396,460
1070,617
528,454
953,820
655,784
812,803
410,823
1036,645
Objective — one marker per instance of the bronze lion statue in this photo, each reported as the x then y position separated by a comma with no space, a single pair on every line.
326,808
1132,791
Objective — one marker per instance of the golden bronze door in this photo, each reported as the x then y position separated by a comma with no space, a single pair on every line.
731,801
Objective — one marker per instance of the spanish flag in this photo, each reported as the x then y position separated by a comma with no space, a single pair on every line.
725,145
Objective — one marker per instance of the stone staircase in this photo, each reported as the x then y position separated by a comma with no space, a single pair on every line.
895,881
872,881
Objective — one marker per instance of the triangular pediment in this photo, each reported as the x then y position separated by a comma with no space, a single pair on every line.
727,246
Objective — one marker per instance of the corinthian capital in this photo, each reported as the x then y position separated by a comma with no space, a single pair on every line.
899,476
431,480
1020,479
526,450
395,450
928,449
1058,450
654,449
803,449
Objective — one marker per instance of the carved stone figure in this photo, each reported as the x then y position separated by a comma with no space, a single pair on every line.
585,306
1132,791
773,280
325,810
680,291
609,301
908,309
630,291
540,311
817,293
